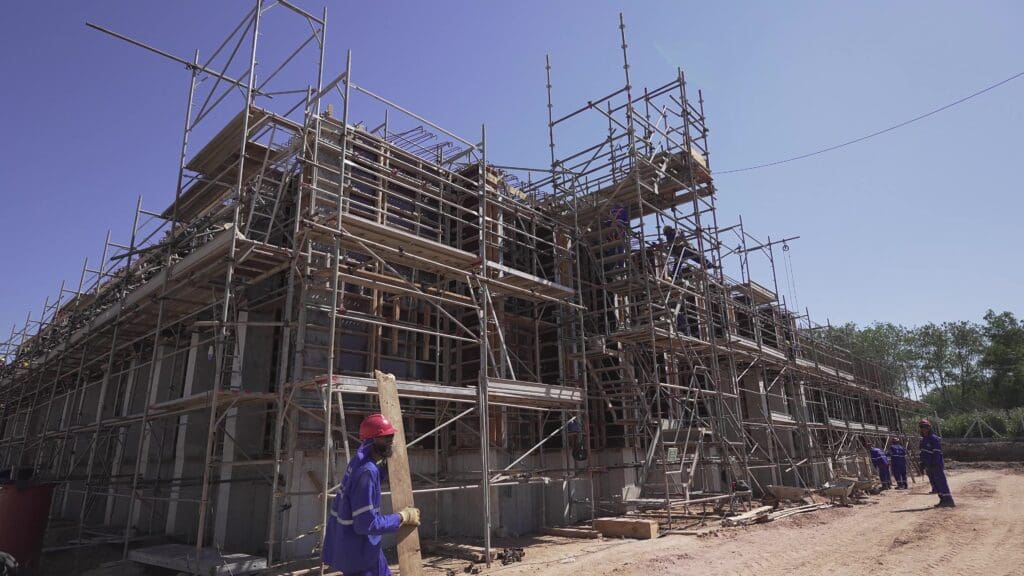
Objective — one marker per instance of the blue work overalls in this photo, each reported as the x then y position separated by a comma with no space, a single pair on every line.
882,463
898,460
355,525
931,459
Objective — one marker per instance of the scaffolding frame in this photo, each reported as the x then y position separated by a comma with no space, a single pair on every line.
573,310
677,335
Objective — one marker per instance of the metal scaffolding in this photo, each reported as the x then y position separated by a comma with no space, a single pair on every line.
569,333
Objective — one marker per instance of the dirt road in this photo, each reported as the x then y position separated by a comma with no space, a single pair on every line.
897,533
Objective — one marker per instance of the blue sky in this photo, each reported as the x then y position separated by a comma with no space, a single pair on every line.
918,225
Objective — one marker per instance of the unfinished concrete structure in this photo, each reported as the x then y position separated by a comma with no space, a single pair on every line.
567,341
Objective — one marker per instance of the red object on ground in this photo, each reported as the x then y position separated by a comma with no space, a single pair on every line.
23,515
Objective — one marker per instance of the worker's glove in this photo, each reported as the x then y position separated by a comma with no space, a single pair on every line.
410,516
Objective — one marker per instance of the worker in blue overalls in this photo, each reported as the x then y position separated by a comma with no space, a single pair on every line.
881,463
355,526
898,461
931,460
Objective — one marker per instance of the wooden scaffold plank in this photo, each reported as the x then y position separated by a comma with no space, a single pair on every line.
410,560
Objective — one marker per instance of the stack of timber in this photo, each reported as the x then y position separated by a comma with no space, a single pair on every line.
638,528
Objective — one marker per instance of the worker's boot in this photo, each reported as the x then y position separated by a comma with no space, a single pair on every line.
946,502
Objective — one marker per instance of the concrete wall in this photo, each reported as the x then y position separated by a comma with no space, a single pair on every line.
515,510
243,526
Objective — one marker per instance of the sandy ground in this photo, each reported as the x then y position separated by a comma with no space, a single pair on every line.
895,533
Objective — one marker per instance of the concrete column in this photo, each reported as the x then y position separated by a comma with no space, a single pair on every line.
154,390
65,414
179,442
770,436
220,522
93,445
79,399
122,435
805,417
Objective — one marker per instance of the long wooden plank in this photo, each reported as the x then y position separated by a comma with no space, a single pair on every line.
797,510
500,391
410,561
571,532
752,517
536,391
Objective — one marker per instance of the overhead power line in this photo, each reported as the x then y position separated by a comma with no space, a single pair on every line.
878,132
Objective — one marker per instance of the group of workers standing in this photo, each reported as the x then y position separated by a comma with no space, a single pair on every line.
892,463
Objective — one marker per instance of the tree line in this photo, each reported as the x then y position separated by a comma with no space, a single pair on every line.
955,367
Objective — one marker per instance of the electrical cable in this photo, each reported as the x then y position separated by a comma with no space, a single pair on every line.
877,132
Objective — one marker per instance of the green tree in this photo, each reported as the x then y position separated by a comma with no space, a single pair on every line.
1004,359
957,367
883,343
929,358
966,348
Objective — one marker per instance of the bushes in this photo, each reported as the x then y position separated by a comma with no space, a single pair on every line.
997,421
982,424
956,426
1016,423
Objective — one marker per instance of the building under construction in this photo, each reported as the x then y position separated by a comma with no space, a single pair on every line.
573,341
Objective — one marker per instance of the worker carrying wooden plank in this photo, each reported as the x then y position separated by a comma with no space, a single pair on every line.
355,527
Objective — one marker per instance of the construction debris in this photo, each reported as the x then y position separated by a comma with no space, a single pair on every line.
455,550
797,510
861,487
755,516
511,555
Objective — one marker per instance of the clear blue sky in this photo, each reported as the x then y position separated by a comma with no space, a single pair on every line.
922,224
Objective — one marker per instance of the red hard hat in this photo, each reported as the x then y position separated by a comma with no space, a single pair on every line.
924,422
374,426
